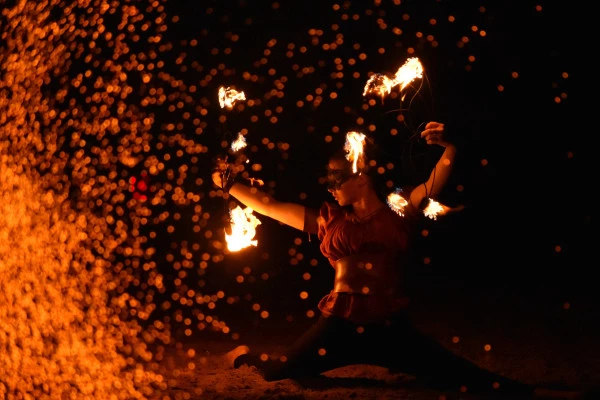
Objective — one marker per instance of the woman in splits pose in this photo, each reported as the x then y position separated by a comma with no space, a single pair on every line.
363,319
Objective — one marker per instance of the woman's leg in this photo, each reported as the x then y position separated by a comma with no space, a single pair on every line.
330,343
417,354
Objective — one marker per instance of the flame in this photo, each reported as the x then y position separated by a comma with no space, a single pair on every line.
228,96
433,209
355,143
407,73
397,202
243,229
238,143
378,84
381,84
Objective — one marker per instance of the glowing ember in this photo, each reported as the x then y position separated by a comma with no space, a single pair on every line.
411,70
228,96
433,209
59,326
238,143
397,202
243,229
70,248
354,146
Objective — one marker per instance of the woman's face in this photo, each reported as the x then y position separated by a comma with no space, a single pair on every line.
341,182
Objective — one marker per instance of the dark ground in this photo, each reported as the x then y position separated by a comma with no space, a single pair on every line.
533,337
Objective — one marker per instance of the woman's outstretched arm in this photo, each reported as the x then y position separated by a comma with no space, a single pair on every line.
291,214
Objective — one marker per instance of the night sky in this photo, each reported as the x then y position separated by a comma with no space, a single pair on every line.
131,98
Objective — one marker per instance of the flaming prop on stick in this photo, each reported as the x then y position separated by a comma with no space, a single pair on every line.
411,70
238,143
381,85
228,96
243,223
243,229
433,209
397,202
354,146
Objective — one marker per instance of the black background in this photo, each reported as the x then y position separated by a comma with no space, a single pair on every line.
524,169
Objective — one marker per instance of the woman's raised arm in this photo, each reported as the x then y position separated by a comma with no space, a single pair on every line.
434,133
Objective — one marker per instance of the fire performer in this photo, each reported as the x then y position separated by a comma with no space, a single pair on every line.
363,319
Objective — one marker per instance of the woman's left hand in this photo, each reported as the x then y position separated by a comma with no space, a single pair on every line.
434,133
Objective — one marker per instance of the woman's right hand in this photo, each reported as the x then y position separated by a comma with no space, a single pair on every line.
219,175
435,133
217,178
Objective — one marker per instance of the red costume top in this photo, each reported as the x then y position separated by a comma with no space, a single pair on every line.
368,256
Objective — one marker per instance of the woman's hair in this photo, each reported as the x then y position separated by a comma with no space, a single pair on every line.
340,155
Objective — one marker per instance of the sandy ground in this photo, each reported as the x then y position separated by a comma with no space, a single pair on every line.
533,338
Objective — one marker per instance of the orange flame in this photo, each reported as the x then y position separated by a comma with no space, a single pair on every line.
407,73
378,84
228,96
433,209
355,142
397,202
243,229
381,84
238,143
